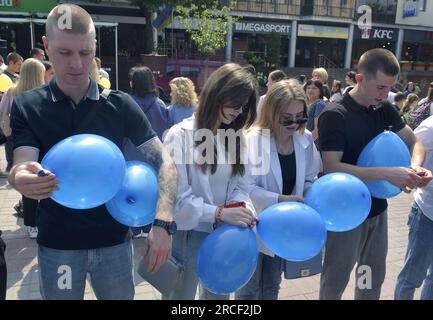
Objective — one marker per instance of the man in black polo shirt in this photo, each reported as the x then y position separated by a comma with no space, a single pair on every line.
345,128
74,243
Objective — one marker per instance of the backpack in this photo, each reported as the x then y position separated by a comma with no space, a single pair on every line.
419,114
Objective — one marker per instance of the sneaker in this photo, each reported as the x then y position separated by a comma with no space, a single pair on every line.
19,209
33,232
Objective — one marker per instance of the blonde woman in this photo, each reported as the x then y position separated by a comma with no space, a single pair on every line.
183,100
294,163
408,106
31,76
322,75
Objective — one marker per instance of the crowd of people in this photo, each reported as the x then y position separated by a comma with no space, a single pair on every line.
312,130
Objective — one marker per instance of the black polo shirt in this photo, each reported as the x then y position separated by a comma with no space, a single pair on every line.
348,127
44,116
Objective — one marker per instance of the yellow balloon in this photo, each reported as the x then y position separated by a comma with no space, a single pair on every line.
105,83
5,83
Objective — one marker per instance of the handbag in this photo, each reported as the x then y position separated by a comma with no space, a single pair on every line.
300,269
166,279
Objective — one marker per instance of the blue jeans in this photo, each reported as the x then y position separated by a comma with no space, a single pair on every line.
265,282
185,248
366,246
62,273
418,264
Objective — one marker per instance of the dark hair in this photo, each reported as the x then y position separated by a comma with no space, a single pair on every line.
228,85
301,78
142,81
399,96
277,75
13,57
317,83
352,76
378,59
36,51
48,65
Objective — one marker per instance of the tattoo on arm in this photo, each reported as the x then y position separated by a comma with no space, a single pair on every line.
154,153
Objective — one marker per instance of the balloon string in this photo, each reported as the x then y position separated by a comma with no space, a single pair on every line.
131,200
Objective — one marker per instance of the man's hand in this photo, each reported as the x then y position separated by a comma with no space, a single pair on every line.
404,178
426,175
24,178
158,247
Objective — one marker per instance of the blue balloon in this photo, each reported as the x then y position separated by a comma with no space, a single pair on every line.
342,200
90,168
227,259
135,203
292,230
385,150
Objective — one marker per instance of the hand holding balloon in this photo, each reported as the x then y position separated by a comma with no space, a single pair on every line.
30,184
227,259
90,168
389,152
404,178
241,216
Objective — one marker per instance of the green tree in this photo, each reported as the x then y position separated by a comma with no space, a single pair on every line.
273,53
150,6
208,25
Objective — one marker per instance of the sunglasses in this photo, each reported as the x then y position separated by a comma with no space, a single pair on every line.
288,122
237,108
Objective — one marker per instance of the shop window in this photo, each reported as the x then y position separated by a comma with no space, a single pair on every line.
189,71
422,5
170,70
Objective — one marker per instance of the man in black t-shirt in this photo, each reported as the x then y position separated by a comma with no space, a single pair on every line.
73,243
345,128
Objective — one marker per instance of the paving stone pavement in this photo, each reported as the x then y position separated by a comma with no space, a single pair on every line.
23,283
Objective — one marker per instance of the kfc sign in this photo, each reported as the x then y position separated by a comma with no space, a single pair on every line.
376,34
383,34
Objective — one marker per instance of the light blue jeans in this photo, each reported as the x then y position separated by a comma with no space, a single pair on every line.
366,246
265,282
418,264
62,273
186,245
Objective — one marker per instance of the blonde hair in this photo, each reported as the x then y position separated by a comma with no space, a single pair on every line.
411,98
183,92
31,76
281,94
322,73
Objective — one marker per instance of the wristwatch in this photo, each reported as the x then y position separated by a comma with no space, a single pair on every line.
169,226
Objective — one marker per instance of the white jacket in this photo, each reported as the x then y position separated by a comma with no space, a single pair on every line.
195,208
265,188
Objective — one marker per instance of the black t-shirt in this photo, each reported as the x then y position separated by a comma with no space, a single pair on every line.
348,127
44,116
13,77
288,172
